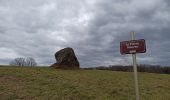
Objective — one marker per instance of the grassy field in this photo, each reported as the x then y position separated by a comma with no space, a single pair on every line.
24,83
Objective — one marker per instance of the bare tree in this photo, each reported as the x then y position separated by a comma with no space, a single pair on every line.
18,62
23,62
30,62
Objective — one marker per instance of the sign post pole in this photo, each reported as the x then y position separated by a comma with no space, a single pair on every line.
135,69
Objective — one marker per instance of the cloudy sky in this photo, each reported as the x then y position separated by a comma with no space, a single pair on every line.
93,28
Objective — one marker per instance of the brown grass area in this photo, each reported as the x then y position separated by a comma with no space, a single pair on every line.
24,83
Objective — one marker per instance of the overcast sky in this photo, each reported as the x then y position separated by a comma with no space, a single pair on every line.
93,28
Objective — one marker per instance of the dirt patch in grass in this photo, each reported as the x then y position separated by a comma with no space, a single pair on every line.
11,87
5,79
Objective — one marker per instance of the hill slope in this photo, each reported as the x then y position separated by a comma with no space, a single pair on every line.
45,83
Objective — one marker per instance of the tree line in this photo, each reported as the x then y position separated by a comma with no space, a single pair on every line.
23,62
141,68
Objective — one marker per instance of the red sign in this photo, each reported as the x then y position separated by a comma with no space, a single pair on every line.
132,46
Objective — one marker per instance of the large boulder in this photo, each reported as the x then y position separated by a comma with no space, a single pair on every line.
66,58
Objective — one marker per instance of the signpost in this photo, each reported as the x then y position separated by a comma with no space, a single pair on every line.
132,47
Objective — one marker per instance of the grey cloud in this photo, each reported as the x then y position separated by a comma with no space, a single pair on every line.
93,28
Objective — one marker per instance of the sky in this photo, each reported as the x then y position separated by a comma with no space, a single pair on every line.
93,28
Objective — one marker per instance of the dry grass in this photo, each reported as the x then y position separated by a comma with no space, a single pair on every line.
23,83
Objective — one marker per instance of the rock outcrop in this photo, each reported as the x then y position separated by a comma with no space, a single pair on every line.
66,58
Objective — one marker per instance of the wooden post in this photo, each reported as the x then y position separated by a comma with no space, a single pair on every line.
135,70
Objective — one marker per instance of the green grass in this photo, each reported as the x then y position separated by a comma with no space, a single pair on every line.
50,84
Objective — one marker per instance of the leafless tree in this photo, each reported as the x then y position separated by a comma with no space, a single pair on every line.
30,62
23,62
18,62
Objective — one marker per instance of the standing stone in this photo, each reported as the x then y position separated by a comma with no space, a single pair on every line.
66,58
